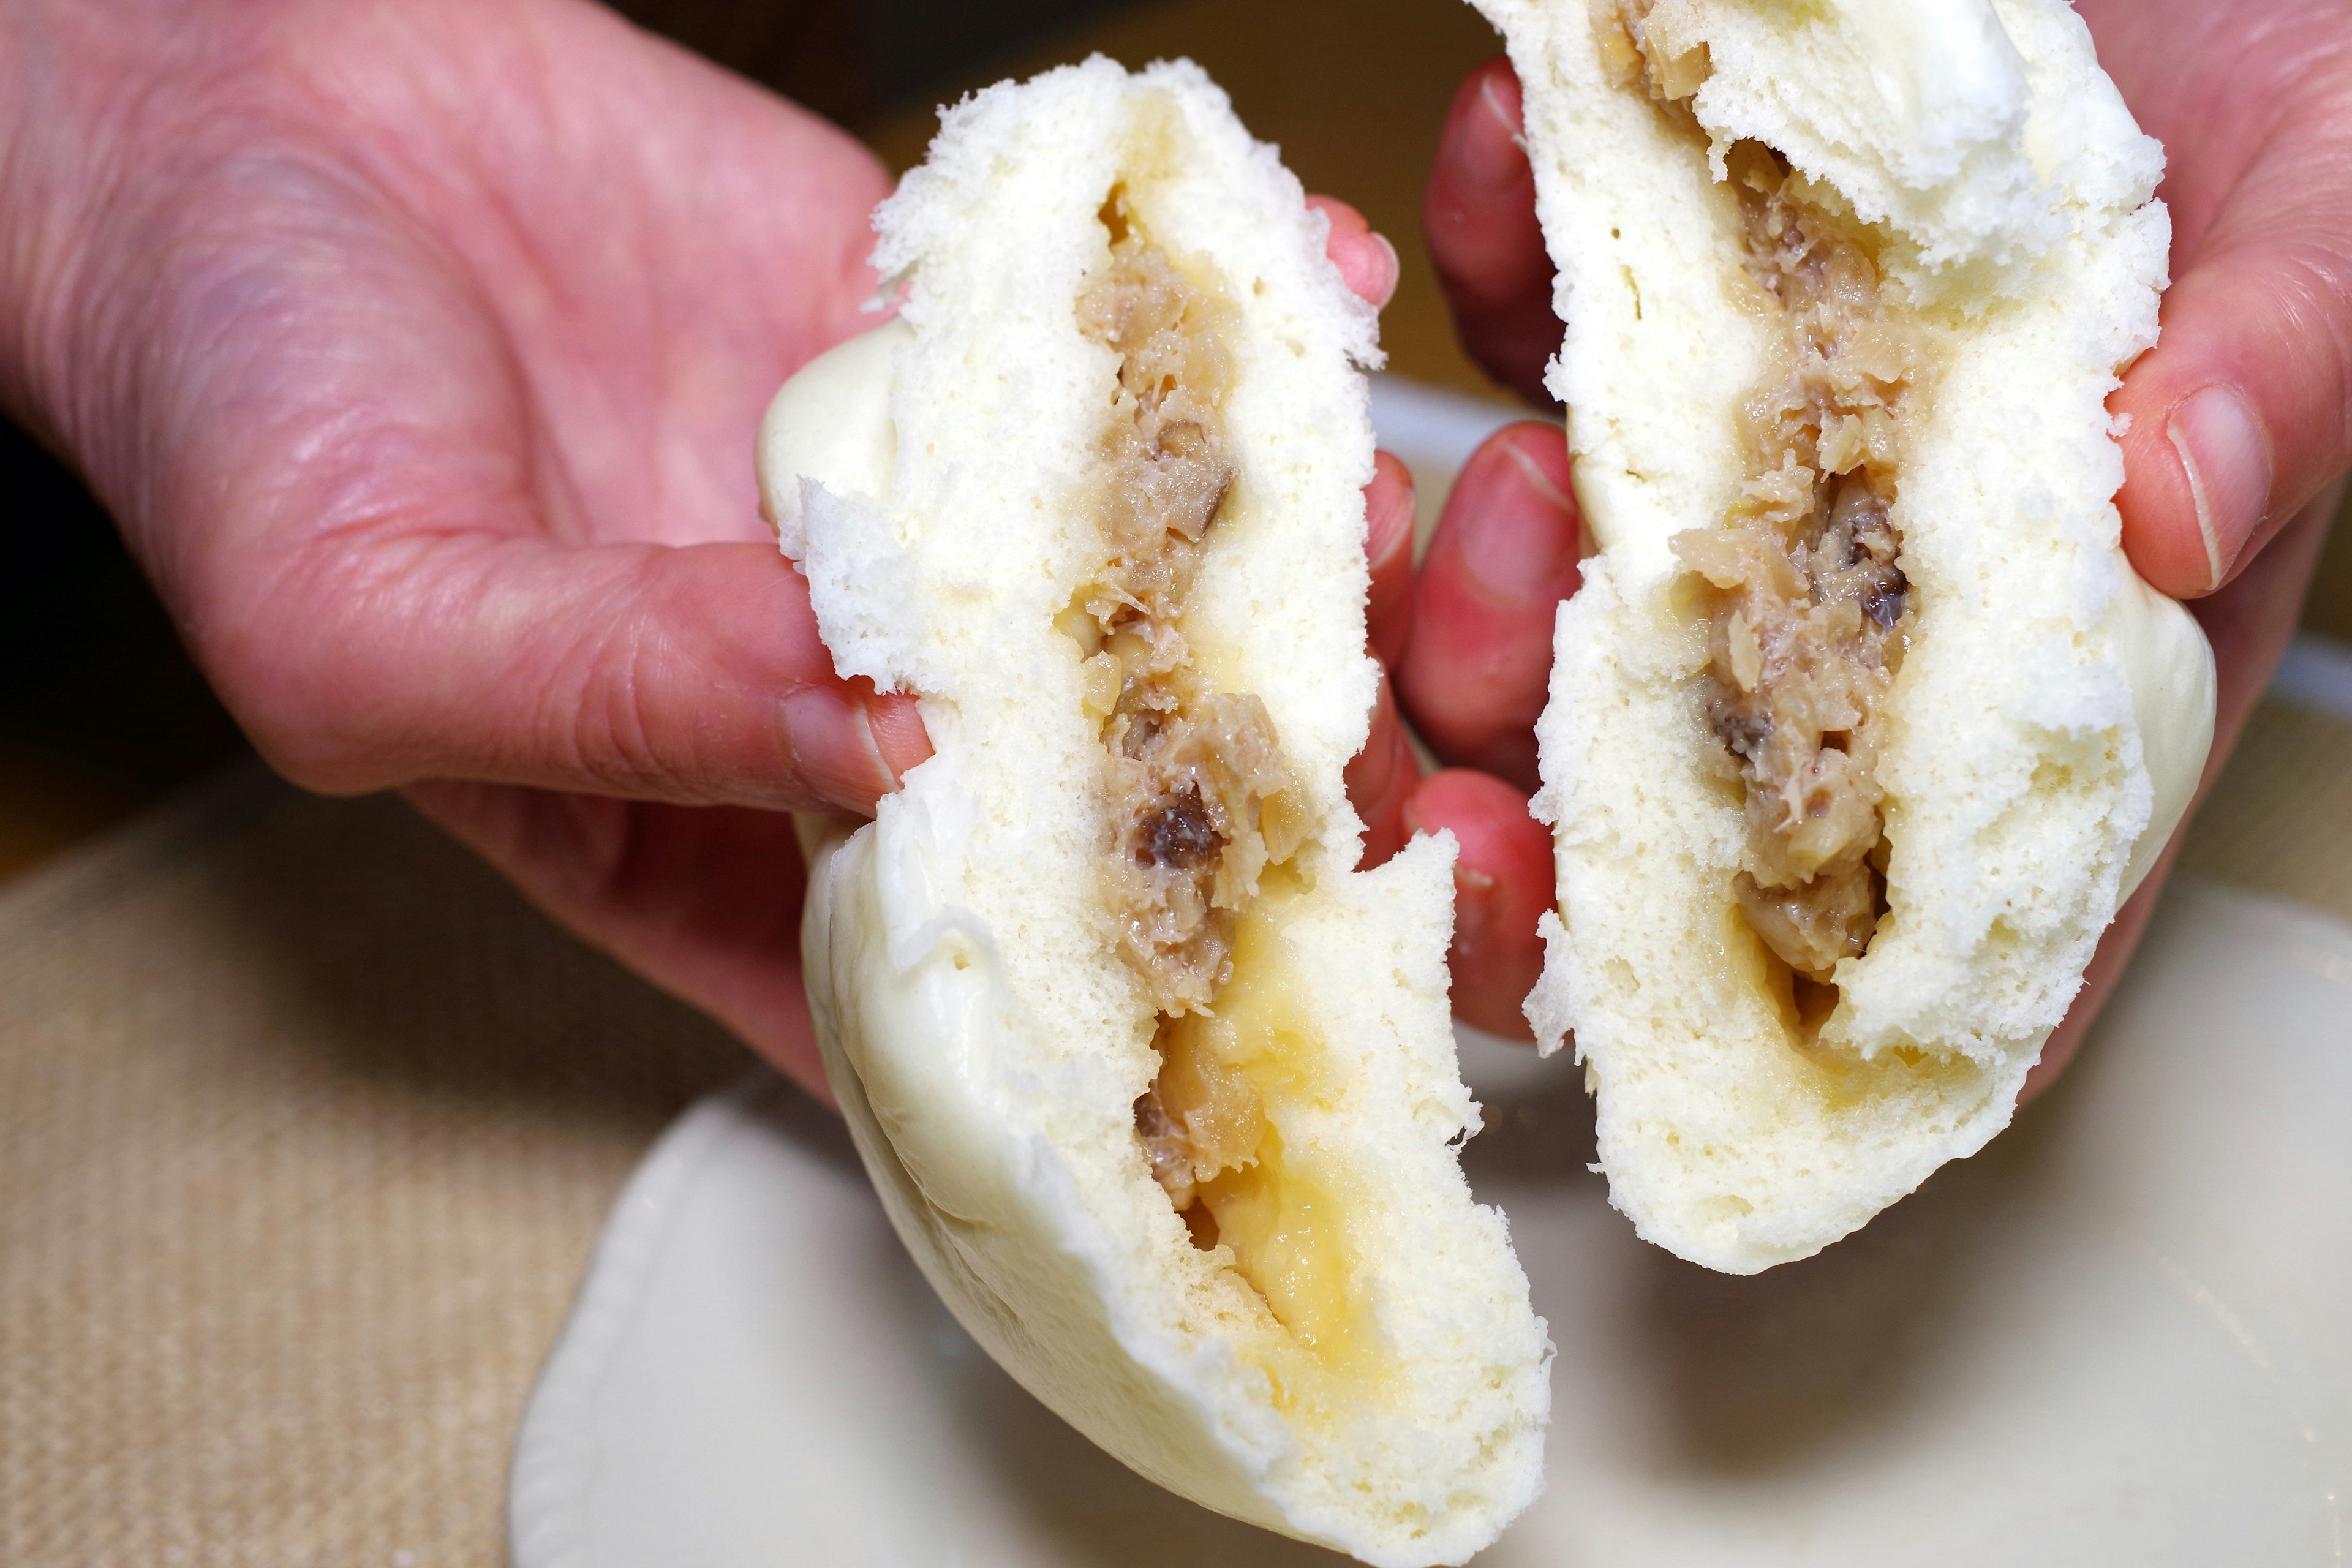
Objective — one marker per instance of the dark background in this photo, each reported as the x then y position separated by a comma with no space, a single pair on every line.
101,711
853,59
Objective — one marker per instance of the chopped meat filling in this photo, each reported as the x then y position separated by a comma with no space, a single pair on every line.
1809,609
1201,802
1200,792
1164,446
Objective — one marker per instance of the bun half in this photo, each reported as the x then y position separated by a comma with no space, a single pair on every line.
1861,726
1157,1089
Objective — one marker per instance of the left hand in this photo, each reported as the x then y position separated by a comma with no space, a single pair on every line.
418,347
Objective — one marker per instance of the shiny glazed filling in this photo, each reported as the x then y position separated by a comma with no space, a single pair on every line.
1807,607
1808,611
1205,816
1200,800
1216,1152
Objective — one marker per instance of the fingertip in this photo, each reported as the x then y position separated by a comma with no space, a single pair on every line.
2197,483
1539,448
1502,105
1481,150
2235,420
1484,602
1367,263
1389,502
1381,272
1479,216
1490,821
1512,520
1347,224
825,733
850,745
1388,515
1502,883
2225,457
1380,781
900,737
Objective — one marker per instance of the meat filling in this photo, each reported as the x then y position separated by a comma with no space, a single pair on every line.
1201,802
1808,611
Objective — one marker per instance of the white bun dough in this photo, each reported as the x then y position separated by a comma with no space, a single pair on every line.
2051,720
987,1042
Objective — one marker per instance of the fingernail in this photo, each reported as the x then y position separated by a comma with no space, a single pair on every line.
1486,160
2229,465
1518,537
832,745
1372,771
897,722
1502,105
1388,526
1384,288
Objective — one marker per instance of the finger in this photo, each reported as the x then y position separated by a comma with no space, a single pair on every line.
692,675
1473,675
704,902
1381,778
1366,260
1502,884
1388,541
1479,217
2238,415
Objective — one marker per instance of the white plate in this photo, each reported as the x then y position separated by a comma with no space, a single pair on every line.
2121,1335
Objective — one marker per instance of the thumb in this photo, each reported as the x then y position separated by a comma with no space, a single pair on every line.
692,675
2243,410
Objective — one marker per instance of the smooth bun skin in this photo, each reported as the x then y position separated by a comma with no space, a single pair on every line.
915,1023
986,1041
2053,714
2173,690
907,1053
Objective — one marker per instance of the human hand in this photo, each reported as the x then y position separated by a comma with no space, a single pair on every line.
2252,383
419,350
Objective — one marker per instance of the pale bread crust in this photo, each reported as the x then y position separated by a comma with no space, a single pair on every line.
2025,796
985,1040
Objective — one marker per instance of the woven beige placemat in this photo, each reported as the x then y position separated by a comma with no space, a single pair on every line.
307,1126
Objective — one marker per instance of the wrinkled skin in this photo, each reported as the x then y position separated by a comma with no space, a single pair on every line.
2253,102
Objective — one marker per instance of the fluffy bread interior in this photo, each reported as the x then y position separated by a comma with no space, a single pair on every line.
988,1041
2050,714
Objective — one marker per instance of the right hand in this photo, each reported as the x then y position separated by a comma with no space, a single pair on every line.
2253,381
